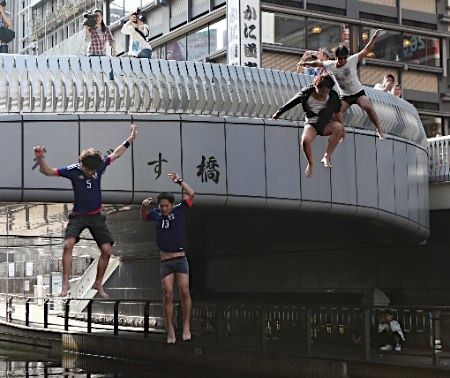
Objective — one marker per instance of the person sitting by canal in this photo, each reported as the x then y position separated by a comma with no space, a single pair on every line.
139,33
391,331
344,71
86,183
98,36
322,117
169,223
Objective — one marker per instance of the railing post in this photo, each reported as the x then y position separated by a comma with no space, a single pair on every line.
366,328
219,323
263,325
6,307
89,316
46,313
436,332
27,312
66,314
146,318
116,317
308,330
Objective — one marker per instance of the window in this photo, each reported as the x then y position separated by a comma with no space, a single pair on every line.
116,10
326,34
432,126
283,30
218,36
422,50
176,50
389,45
197,44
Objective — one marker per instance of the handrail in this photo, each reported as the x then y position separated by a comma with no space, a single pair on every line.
438,155
80,84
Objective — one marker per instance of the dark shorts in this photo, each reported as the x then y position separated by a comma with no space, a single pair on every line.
319,128
175,265
352,98
96,224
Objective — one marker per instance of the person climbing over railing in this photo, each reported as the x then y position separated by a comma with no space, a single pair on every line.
86,183
169,223
344,71
322,117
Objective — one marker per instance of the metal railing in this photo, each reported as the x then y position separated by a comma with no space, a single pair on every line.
80,84
438,155
339,331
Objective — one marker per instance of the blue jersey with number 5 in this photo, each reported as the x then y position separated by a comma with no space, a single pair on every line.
87,191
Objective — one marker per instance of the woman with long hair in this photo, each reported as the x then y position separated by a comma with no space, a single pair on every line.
98,36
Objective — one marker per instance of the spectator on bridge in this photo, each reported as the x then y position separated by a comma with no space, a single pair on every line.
139,33
322,117
98,36
344,70
86,213
397,90
169,223
391,331
5,22
322,54
387,84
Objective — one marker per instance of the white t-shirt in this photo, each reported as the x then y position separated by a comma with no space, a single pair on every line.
137,43
316,106
346,77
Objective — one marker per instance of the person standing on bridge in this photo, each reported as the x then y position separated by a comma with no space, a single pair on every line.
169,222
344,71
321,105
86,213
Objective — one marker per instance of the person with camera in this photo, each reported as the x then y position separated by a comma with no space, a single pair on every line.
5,23
98,34
139,33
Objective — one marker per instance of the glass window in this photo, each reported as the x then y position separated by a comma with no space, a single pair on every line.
432,126
218,36
283,30
197,44
176,50
326,34
116,10
422,50
388,46
132,5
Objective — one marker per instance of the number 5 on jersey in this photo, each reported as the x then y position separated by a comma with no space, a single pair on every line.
88,184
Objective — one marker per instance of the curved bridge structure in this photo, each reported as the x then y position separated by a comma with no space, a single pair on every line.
212,123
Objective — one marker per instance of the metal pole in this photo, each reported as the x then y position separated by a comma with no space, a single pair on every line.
27,312
146,318
46,313
366,328
116,317
89,316
66,314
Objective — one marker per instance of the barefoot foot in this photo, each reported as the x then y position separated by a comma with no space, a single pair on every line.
100,290
64,290
309,170
171,337
326,162
186,334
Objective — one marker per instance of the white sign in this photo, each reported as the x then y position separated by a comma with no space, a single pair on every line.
26,285
56,283
29,268
11,270
244,32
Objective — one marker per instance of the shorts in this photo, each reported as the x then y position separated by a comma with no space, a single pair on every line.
352,98
96,224
319,128
175,265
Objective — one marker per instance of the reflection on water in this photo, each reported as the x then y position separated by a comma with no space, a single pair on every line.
18,360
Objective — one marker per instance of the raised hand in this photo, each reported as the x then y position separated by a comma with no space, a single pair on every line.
133,133
147,202
39,151
174,176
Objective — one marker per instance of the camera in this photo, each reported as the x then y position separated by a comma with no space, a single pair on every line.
138,14
90,20
3,3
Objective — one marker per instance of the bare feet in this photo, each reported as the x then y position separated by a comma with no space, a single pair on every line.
380,133
64,290
309,170
326,161
171,337
186,334
100,290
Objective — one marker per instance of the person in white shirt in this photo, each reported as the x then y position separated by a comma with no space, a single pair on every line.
139,33
344,71
397,90
392,330
387,84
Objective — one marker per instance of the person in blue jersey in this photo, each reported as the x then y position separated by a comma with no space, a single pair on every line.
169,219
86,183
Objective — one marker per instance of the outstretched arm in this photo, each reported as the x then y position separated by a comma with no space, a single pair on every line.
44,168
366,50
119,151
175,177
314,63
144,208
297,99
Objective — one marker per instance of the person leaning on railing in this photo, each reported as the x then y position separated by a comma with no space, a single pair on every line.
5,22
98,36
139,33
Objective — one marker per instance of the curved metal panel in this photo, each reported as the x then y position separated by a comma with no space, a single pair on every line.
401,179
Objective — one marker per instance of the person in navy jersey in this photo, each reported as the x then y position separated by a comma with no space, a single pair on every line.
86,213
169,223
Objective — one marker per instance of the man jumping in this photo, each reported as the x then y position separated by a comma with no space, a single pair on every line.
345,73
86,179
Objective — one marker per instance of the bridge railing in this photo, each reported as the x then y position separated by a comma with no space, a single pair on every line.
349,331
80,84
438,155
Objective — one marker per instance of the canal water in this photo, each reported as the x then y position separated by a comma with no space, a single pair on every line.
19,360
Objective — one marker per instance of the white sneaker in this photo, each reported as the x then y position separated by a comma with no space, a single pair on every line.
386,347
398,348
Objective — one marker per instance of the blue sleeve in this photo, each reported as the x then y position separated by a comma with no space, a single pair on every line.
101,168
68,172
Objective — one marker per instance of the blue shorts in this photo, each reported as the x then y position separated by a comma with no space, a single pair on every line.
175,265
